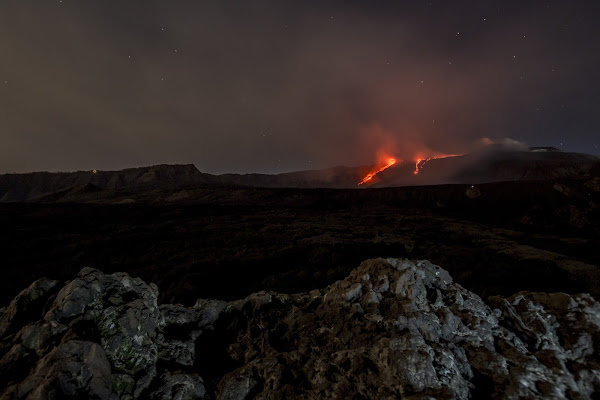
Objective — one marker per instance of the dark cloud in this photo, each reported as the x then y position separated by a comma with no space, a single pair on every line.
271,85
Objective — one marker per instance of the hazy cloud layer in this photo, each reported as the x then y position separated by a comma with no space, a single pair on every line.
273,85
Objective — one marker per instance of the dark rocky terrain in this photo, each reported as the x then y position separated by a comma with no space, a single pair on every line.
195,236
495,238
391,329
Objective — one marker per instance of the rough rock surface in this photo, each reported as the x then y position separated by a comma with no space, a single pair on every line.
392,329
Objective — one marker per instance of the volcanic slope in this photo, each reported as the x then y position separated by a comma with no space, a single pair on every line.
481,167
493,165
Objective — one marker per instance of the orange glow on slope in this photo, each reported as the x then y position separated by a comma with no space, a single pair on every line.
419,164
391,161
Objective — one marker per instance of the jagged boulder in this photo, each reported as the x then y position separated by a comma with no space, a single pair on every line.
396,328
392,329
73,368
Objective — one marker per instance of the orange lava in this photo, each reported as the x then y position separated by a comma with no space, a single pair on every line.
370,175
419,164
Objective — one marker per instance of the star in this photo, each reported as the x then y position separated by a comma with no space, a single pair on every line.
244,61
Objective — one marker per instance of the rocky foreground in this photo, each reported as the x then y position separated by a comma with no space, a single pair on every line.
392,329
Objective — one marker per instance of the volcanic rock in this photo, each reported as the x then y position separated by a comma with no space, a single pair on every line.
393,328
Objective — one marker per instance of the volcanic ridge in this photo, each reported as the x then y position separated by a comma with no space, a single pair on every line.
492,165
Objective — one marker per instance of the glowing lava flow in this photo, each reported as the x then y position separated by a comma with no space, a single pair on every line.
419,164
370,175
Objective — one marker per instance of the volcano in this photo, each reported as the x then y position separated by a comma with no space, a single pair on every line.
489,166
474,168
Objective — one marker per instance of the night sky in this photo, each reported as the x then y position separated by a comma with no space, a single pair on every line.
273,86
